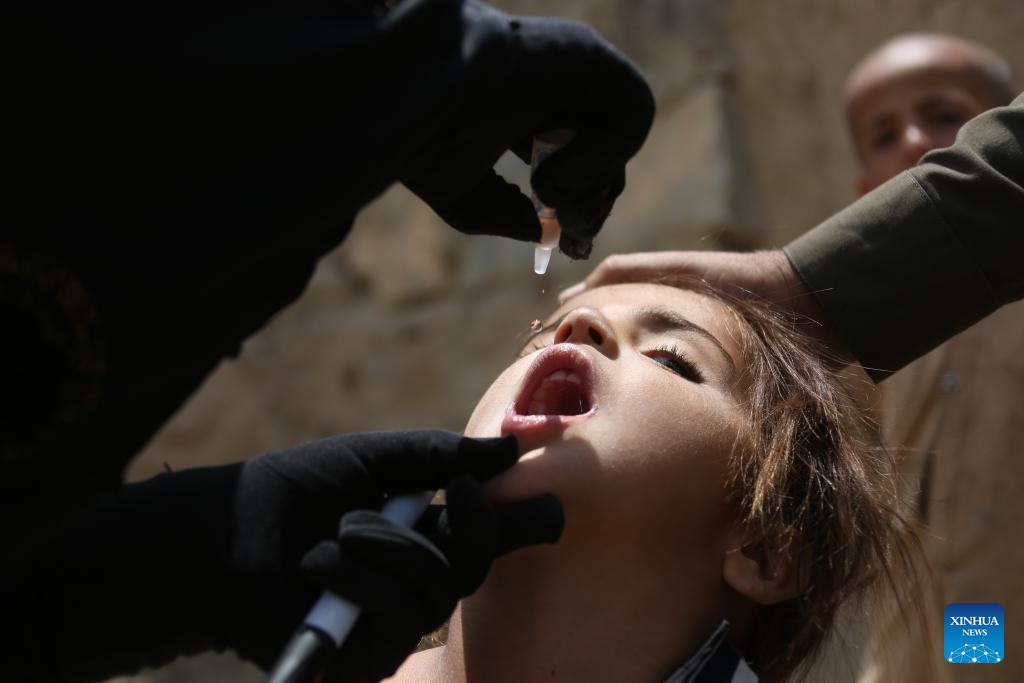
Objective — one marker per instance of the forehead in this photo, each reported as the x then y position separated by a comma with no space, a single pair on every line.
621,302
902,75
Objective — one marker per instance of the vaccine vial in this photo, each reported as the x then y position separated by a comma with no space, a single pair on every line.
543,145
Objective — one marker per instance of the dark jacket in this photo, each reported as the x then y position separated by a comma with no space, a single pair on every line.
173,174
928,253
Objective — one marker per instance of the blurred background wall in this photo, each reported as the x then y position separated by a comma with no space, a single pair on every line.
407,323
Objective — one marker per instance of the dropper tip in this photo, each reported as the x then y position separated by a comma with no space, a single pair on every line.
541,259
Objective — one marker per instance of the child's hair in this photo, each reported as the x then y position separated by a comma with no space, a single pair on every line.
812,482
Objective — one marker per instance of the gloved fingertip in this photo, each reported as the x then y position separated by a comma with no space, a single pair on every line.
317,564
429,520
465,492
530,522
582,206
469,515
486,457
576,248
493,206
501,443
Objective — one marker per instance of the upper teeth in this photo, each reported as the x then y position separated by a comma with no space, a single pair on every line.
538,401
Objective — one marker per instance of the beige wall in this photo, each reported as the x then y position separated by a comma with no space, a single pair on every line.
791,57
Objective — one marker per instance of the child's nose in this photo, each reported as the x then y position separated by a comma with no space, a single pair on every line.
587,326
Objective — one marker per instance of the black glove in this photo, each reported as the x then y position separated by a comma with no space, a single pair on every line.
210,558
407,582
529,75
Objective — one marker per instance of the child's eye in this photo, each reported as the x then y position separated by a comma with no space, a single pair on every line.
674,359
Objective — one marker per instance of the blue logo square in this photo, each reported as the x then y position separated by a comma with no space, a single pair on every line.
973,633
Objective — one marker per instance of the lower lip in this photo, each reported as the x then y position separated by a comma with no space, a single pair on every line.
531,429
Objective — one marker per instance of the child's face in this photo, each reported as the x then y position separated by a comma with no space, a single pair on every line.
909,102
628,410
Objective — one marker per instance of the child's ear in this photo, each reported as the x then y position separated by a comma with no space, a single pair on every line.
766,577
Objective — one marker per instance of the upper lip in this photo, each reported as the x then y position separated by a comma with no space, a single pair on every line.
569,357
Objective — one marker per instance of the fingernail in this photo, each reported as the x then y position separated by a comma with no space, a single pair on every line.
570,292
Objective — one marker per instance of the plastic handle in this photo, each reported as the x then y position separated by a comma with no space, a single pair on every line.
334,616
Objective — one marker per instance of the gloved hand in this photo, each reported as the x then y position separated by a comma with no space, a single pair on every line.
210,558
529,75
407,582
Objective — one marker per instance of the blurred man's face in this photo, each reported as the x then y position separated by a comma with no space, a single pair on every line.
907,102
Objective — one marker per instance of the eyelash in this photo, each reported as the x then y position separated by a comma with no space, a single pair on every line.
688,369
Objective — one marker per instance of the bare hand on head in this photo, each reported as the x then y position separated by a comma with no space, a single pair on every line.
763,275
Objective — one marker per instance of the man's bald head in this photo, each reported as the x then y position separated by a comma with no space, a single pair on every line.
912,94
983,68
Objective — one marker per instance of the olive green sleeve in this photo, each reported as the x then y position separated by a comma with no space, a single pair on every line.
930,252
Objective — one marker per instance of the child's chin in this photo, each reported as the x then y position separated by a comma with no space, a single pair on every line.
522,480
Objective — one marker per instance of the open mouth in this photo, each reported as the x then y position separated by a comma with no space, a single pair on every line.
560,383
560,393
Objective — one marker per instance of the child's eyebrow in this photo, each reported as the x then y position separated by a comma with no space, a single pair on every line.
659,319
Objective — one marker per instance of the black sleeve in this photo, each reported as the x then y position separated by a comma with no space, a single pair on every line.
211,558
186,164
133,580
929,253
174,170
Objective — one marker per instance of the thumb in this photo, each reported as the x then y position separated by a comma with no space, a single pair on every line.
425,459
582,184
493,206
472,532
529,522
